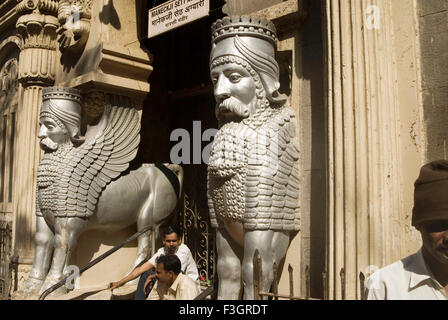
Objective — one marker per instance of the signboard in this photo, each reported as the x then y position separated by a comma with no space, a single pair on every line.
175,13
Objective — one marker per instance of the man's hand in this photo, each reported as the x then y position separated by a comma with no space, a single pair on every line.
149,282
113,285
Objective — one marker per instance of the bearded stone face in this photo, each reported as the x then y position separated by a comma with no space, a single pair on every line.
51,134
235,92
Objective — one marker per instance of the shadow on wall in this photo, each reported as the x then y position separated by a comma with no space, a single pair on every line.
311,70
109,15
432,17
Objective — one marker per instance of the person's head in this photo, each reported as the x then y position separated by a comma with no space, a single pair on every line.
171,239
435,239
430,212
243,68
60,117
167,268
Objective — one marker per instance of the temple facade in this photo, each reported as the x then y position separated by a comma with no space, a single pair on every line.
366,79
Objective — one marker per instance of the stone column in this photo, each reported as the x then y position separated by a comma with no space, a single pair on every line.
37,26
363,142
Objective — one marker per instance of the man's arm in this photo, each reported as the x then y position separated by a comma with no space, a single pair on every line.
187,289
134,274
148,281
154,294
191,268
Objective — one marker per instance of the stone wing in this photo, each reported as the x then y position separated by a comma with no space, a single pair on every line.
272,181
100,159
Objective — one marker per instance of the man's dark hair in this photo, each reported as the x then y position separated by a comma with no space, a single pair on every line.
170,230
170,262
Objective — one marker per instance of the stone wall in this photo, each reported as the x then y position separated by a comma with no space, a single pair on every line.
309,70
433,32
245,7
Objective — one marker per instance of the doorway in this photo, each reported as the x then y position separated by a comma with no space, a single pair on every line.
181,97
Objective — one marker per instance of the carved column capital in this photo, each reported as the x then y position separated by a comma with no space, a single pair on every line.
43,6
37,25
38,31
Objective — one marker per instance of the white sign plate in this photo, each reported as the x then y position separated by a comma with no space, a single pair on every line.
175,13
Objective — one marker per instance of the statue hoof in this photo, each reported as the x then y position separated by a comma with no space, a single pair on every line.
32,286
29,291
49,282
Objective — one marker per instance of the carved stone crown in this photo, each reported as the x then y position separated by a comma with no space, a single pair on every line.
61,93
244,26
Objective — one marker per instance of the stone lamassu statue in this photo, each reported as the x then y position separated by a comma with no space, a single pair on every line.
82,184
253,174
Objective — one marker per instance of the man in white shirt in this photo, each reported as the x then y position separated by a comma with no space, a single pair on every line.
171,283
423,275
171,240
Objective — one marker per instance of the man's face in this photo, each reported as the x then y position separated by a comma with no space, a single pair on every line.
51,134
171,242
234,92
435,239
166,277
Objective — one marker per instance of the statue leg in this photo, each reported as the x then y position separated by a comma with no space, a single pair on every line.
43,242
145,219
144,242
272,247
228,266
67,232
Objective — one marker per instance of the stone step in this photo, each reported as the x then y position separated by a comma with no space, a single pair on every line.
97,293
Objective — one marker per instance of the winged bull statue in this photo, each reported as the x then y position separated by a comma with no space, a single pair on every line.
83,184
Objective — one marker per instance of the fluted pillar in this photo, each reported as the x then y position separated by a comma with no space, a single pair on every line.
37,26
363,144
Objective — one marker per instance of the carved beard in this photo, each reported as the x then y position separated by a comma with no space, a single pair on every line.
48,168
48,145
231,109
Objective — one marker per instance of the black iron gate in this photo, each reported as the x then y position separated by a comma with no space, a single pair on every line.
199,237
5,253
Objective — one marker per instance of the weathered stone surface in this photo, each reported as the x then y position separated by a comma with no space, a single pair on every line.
238,7
432,19
92,293
427,7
